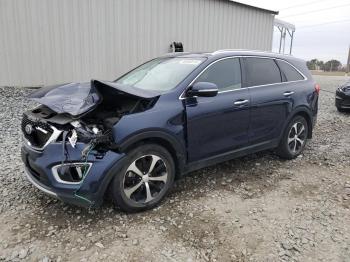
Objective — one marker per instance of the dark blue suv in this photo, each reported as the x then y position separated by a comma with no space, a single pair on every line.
174,114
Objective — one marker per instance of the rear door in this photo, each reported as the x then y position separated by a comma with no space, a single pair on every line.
269,101
218,124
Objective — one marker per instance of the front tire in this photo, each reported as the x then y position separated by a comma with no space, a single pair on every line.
294,138
340,109
145,179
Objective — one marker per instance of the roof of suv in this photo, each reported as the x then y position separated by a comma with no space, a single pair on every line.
233,52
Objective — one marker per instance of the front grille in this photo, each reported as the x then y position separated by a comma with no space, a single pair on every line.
40,132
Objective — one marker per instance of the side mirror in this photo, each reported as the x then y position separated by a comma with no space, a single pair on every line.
203,89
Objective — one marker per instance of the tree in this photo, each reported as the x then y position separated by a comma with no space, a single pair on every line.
320,65
332,65
312,64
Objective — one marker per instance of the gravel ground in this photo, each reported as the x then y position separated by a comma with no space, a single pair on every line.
256,208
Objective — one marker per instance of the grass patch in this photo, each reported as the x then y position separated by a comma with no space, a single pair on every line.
333,73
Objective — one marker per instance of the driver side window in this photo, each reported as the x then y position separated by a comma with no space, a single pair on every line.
226,74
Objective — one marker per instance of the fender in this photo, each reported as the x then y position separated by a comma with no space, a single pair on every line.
177,146
116,168
118,164
297,110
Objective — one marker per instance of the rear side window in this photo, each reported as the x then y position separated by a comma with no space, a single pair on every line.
226,74
289,73
261,71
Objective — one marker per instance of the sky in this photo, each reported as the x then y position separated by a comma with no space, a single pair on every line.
322,27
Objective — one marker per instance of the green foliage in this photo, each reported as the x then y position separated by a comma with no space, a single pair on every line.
331,65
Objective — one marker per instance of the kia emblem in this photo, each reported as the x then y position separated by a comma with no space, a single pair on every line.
29,129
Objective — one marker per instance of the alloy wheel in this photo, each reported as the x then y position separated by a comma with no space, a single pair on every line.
296,137
145,179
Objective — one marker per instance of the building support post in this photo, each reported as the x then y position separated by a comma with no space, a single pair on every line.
291,40
281,31
285,27
348,65
284,39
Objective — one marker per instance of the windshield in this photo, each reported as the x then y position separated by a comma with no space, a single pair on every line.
161,74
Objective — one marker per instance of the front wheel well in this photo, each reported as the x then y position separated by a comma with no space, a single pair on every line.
164,143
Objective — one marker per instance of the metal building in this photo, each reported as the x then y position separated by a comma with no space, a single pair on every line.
47,42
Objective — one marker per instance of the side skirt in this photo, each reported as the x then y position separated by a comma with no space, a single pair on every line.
230,155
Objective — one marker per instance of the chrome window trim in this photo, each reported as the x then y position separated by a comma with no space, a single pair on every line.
56,133
59,180
181,97
210,90
305,78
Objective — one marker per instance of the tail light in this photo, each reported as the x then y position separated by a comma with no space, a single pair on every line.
317,88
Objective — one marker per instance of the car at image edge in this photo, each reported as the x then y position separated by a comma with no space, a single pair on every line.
174,114
342,97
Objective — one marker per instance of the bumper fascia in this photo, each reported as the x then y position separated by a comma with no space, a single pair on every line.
342,100
90,192
37,184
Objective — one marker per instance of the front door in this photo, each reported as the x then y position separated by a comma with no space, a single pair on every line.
219,124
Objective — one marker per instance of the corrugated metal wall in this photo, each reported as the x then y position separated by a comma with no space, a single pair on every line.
55,41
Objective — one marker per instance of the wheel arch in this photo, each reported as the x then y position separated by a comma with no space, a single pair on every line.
305,113
169,142
308,120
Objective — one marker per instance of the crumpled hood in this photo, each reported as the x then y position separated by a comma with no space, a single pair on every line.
72,98
79,98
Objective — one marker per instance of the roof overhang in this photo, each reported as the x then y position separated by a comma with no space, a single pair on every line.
256,8
284,24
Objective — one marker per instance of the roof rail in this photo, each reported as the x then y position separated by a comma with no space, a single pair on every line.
242,50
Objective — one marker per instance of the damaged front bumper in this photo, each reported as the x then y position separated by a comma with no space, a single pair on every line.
40,168
69,150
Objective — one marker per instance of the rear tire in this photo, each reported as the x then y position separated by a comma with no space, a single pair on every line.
146,177
294,138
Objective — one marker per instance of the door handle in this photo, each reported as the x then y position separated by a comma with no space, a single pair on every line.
241,102
288,93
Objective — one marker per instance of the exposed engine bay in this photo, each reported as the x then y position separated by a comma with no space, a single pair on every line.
82,113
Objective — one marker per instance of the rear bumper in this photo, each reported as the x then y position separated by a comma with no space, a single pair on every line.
89,192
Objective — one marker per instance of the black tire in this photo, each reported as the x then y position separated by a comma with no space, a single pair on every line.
340,109
290,146
126,180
